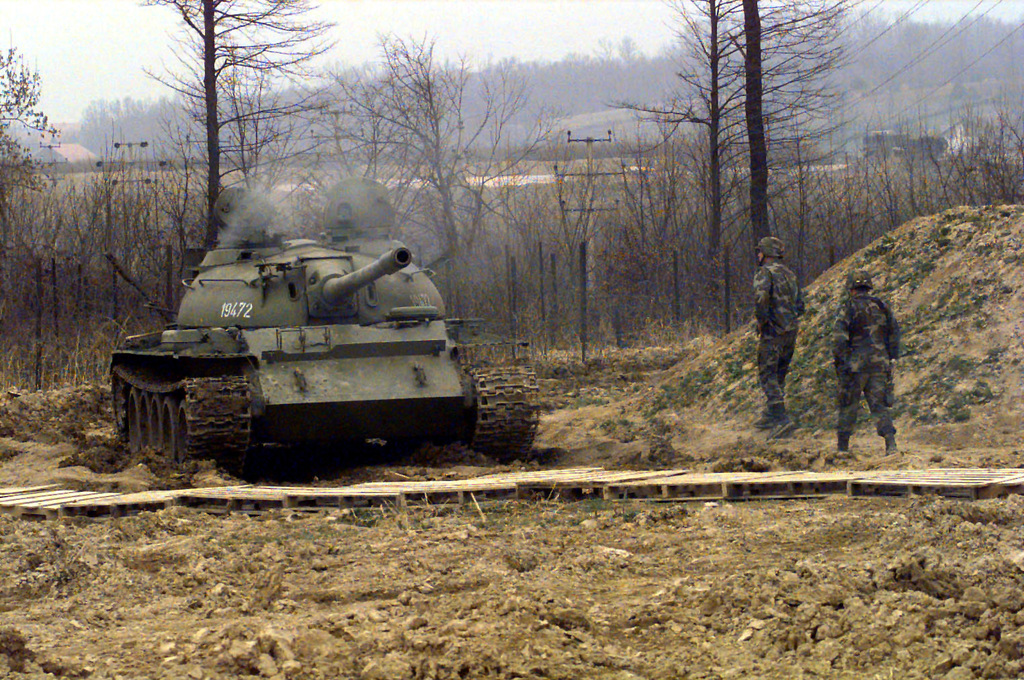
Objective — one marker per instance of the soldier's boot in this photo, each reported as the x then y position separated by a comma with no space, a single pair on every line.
890,443
783,426
766,421
843,442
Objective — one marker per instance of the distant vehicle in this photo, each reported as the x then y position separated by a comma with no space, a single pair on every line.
886,144
298,341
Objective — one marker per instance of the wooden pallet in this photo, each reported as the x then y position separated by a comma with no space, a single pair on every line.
317,498
967,483
46,503
591,484
686,486
122,505
787,485
498,486
224,499
730,486
17,490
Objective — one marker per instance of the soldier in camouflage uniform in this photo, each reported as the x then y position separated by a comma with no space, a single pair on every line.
865,345
778,304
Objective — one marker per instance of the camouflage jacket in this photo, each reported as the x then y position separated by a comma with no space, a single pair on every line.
778,300
866,335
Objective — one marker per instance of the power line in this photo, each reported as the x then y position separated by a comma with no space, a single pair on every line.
975,62
864,15
899,20
937,43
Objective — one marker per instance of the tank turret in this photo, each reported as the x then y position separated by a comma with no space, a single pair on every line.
298,341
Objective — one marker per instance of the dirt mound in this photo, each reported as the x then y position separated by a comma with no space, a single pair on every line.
80,415
957,286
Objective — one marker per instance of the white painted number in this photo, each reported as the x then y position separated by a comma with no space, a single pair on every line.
242,310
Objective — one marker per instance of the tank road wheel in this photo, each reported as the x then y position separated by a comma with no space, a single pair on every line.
151,414
119,394
168,407
136,436
507,411
178,444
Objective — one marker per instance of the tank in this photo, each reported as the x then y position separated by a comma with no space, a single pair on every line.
328,341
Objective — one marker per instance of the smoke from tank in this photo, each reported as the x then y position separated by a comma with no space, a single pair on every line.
358,209
246,218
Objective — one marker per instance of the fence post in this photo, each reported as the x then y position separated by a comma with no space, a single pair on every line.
540,264
113,292
583,302
554,286
450,287
81,307
513,298
38,381
53,296
727,275
620,340
676,314
169,281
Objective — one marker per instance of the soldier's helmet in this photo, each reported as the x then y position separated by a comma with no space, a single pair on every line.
770,246
859,279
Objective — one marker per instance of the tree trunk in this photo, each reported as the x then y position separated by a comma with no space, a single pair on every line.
212,121
714,140
755,121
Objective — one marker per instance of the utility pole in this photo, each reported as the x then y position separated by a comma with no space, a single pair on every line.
125,165
582,228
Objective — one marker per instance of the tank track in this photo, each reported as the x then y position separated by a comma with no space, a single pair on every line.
507,411
217,413
219,420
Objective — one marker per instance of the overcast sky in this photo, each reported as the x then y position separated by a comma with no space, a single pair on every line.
98,49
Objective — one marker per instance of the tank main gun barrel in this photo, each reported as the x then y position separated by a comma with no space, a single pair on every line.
337,289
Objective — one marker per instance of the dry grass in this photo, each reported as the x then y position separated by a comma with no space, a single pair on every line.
75,357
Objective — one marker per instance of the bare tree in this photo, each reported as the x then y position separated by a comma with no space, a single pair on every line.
19,102
744,75
438,131
225,39
265,129
754,110
709,96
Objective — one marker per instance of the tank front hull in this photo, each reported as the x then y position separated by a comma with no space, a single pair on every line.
396,419
359,383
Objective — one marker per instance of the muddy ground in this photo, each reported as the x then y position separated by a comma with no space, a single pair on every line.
836,588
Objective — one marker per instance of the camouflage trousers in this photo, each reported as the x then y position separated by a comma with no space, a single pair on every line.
774,354
872,385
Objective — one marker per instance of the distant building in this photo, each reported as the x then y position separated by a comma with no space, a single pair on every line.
886,143
63,153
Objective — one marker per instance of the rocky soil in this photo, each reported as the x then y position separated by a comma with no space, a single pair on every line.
833,588
839,588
